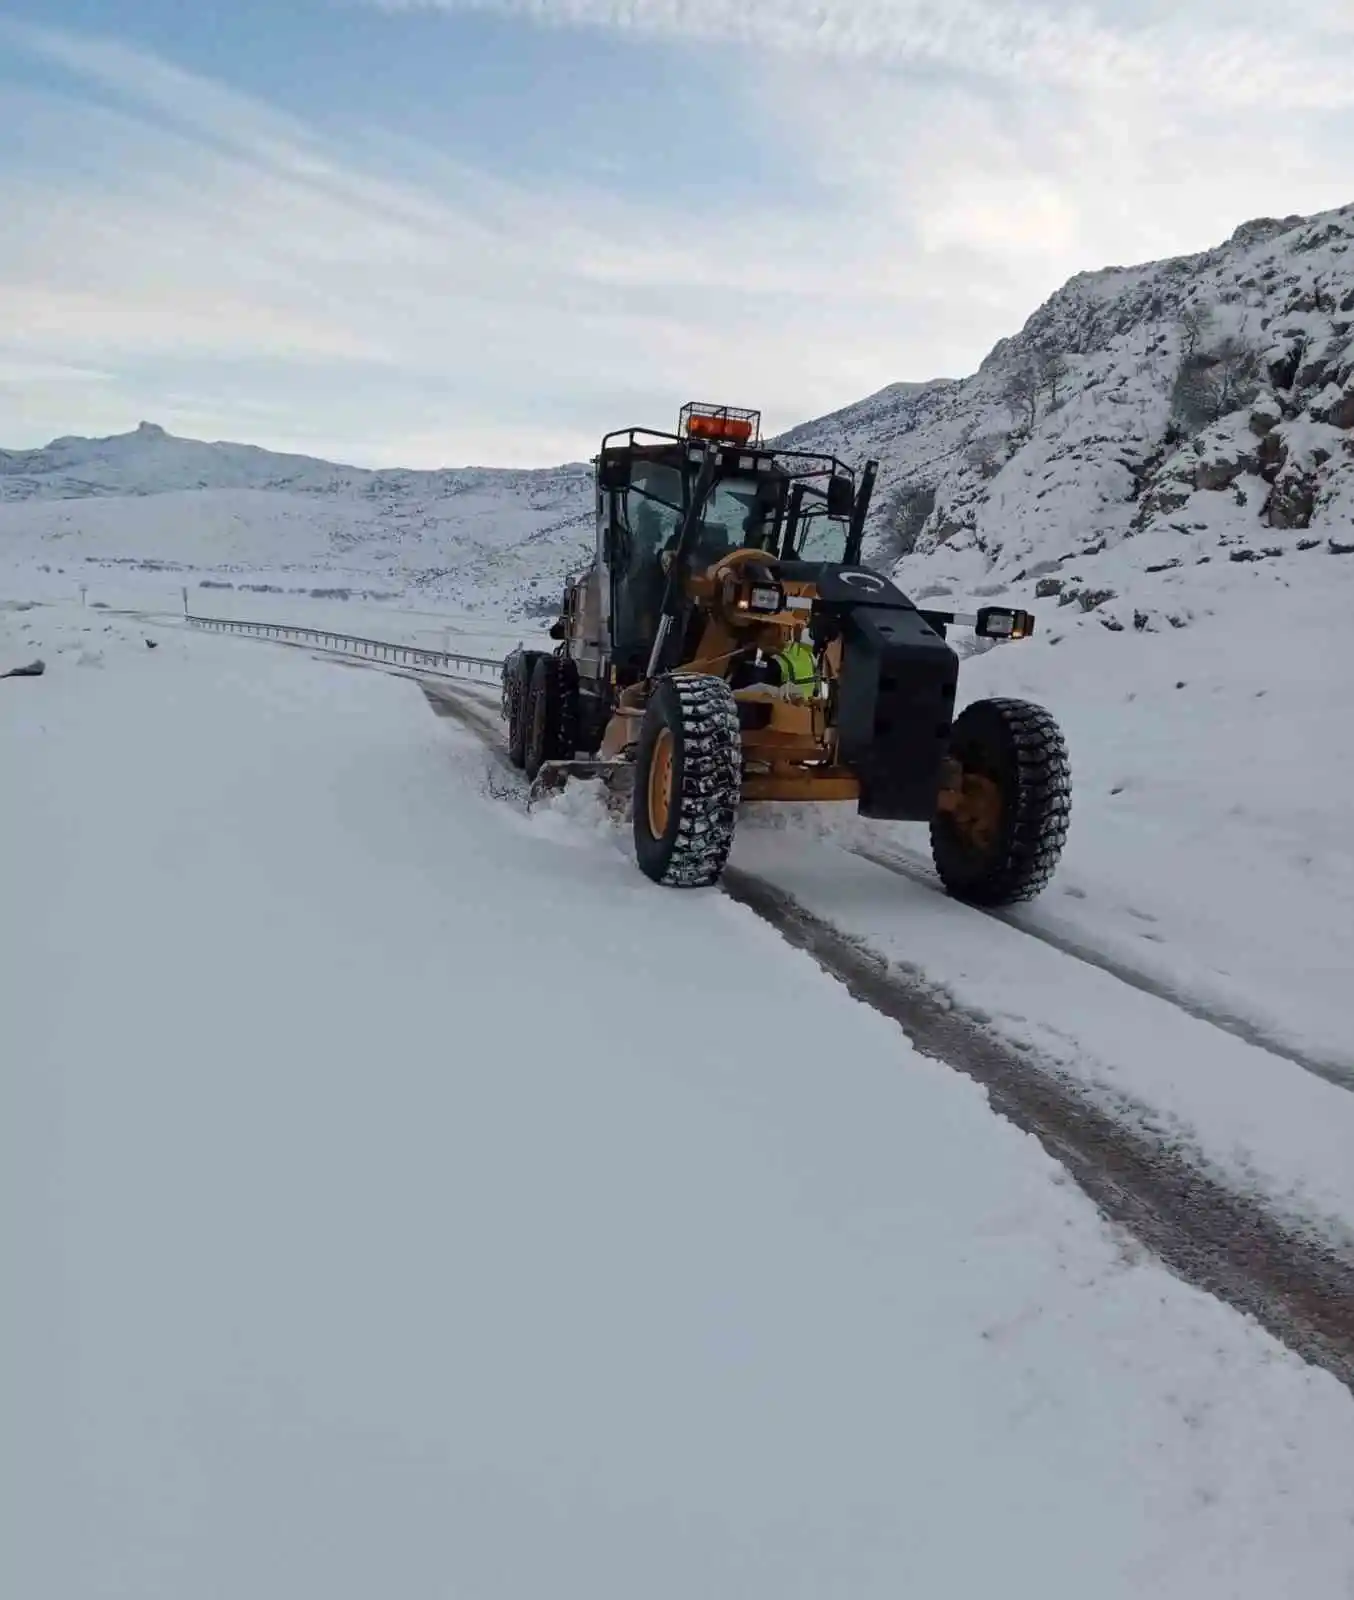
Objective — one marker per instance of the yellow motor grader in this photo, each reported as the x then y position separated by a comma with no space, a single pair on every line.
726,645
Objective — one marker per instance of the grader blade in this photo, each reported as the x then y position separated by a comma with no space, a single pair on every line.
615,776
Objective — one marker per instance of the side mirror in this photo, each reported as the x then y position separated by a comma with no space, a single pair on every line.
613,470
841,497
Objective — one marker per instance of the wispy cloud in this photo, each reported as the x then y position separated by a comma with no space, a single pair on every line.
197,225
211,257
190,230
1202,48
29,373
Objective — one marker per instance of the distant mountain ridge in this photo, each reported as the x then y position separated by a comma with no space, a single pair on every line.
150,460
147,499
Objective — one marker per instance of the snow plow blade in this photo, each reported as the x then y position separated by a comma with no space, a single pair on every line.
616,776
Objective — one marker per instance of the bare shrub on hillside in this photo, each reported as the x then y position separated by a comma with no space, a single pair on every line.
902,517
1020,394
1213,382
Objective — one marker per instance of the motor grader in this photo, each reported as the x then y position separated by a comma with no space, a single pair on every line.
726,646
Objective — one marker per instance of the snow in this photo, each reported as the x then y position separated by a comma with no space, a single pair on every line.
399,620
1210,845
1267,1124
405,1196
143,504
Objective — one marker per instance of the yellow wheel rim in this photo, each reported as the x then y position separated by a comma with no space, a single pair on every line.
977,817
660,784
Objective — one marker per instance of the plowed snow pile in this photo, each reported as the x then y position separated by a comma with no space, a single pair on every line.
405,1197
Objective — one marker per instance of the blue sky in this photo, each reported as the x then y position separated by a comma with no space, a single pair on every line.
439,232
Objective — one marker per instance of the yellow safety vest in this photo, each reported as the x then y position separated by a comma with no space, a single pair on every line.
796,665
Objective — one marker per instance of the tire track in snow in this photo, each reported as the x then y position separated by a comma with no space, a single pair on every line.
1340,1073
479,715
1296,1285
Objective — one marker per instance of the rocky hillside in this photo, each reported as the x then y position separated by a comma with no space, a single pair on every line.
1146,420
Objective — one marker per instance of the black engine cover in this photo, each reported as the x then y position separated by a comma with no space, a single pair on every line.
896,694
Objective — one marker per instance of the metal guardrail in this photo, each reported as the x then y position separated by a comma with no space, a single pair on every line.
400,655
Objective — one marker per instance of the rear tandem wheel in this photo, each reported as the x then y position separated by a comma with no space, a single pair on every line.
550,724
519,688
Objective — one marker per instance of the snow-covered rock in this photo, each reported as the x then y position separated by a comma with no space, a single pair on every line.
1212,392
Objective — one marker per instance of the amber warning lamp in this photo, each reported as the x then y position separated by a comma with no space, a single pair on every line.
723,424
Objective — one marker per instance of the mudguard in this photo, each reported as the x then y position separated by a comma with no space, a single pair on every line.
896,694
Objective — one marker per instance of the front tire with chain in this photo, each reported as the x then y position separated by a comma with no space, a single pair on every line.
1003,842
688,781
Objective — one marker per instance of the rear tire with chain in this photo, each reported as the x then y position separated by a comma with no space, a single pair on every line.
543,721
688,781
1003,845
569,714
517,693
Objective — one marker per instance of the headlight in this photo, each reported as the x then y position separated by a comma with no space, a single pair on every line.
998,622
764,598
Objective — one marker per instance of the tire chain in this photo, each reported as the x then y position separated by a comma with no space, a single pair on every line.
711,780
1043,799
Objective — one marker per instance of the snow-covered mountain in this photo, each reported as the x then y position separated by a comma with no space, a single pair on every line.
151,461
1146,421
1147,424
149,500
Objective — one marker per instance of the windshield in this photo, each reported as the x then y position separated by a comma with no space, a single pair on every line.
740,513
655,480
820,538
736,517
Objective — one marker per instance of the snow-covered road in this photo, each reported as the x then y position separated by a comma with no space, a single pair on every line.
404,1196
